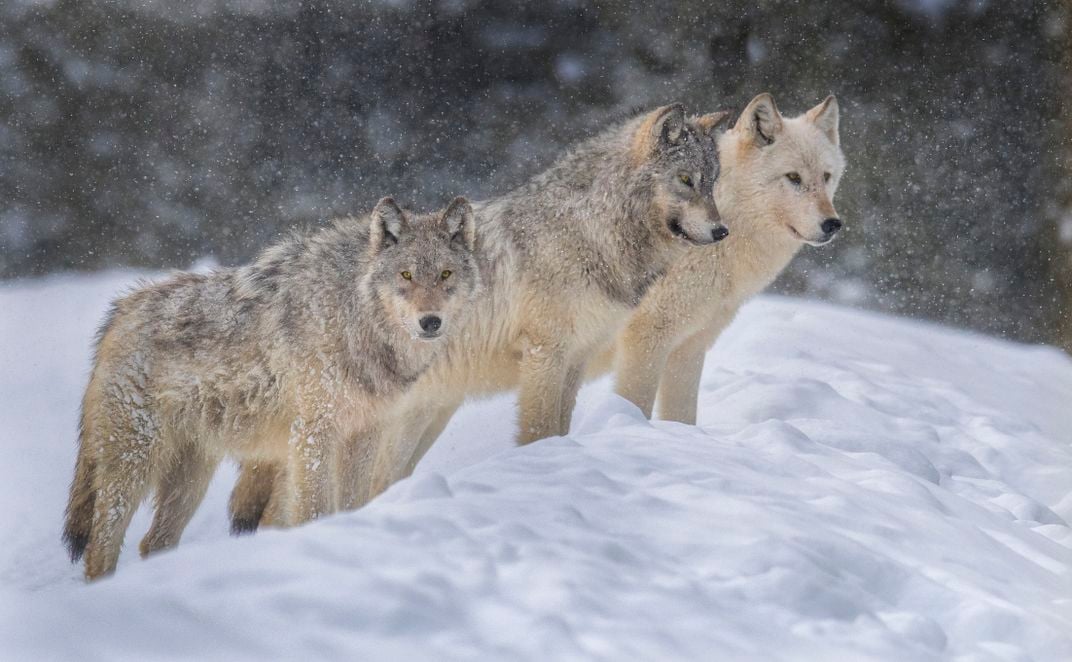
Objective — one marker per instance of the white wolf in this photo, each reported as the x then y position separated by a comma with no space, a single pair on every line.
775,193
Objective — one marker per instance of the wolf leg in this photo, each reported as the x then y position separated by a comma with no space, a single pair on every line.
355,463
399,439
544,368
429,435
312,445
680,383
252,494
569,395
124,473
179,492
642,351
280,497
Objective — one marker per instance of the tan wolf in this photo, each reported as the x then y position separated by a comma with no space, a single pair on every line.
280,361
569,255
776,192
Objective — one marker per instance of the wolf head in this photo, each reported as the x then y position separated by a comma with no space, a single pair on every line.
423,267
680,158
784,172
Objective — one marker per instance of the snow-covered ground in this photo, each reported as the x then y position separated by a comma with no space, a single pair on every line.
859,487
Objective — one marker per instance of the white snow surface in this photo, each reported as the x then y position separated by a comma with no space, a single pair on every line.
859,488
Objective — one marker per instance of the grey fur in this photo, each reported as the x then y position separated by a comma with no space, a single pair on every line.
565,259
596,181
278,359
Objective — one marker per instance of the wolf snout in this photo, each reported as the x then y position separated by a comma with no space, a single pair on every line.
431,323
830,227
720,233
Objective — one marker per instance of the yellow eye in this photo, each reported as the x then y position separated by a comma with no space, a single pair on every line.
794,178
407,275
446,274
685,179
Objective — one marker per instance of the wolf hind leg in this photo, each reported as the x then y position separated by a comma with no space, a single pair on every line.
179,491
277,510
251,504
124,474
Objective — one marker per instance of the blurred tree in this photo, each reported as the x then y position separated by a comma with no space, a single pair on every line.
152,133
1061,178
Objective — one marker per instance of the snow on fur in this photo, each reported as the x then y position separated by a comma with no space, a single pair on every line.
859,487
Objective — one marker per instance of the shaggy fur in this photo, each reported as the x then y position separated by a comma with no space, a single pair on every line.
567,258
278,361
776,192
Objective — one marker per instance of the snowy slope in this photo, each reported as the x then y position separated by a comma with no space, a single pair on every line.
860,487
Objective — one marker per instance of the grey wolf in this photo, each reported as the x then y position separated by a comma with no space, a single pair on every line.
567,257
278,361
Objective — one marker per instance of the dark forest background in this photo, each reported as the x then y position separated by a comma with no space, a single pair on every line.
154,133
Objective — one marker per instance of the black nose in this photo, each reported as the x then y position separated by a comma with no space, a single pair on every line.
831,225
431,323
720,233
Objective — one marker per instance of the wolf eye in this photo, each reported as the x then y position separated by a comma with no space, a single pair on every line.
407,275
826,176
446,274
794,178
685,179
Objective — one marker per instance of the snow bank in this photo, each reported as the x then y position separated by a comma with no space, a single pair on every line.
859,488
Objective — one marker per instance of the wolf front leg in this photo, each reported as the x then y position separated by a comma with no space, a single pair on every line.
572,385
312,446
356,463
643,348
679,386
544,369
431,432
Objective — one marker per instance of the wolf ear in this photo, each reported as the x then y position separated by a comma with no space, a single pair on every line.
387,223
668,128
458,219
825,116
761,120
709,122
661,128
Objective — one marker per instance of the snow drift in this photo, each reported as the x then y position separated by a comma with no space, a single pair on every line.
859,487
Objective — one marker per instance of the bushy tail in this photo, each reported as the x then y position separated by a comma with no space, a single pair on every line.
79,522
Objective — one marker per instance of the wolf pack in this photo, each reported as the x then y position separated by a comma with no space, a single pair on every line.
329,366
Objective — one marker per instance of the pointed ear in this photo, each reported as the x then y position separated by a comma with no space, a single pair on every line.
387,223
825,116
663,127
669,125
709,122
761,120
458,219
